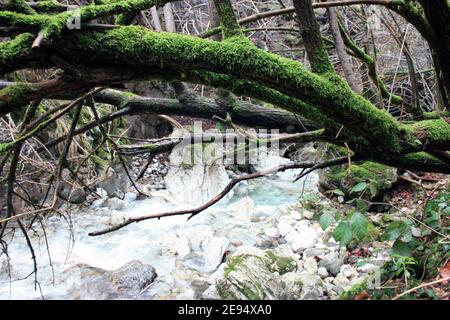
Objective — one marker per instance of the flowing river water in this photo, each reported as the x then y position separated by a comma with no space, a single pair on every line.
174,246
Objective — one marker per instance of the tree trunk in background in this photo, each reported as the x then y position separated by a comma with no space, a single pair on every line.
168,18
155,19
312,40
437,13
214,19
344,58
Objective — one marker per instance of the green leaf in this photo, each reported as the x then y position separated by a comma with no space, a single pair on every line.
407,236
343,233
373,187
395,230
337,192
362,205
447,211
359,187
325,220
359,224
401,248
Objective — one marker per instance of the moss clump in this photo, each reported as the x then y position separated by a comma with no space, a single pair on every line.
257,294
227,294
378,177
435,114
229,24
428,132
321,63
15,97
373,234
280,264
15,19
13,51
47,6
20,6
416,161
233,263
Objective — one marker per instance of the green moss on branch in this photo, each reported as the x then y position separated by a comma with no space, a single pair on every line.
429,134
138,47
15,97
371,65
20,6
417,161
11,52
323,98
14,19
228,21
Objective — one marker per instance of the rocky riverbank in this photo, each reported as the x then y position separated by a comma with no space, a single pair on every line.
261,242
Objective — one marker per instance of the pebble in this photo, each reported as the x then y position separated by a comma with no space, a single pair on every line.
284,227
130,196
305,239
322,272
332,263
348,271
310,265
295,215
177,245
341,283
272,232
366,267
308,214
315,252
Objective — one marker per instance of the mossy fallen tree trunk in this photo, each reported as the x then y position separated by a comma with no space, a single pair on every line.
241,112
127,53
135,47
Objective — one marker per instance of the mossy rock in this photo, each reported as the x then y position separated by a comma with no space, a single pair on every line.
278,263
302,286
379,179
311,201
254,274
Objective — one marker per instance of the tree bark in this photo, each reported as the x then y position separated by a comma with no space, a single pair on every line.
344,58
168,18
155,19
310,31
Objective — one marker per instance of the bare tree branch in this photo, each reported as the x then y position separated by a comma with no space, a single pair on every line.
193,212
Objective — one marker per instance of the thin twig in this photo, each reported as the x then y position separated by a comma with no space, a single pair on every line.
419,287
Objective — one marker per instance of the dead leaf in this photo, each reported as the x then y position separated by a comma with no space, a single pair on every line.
362,296
445,271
